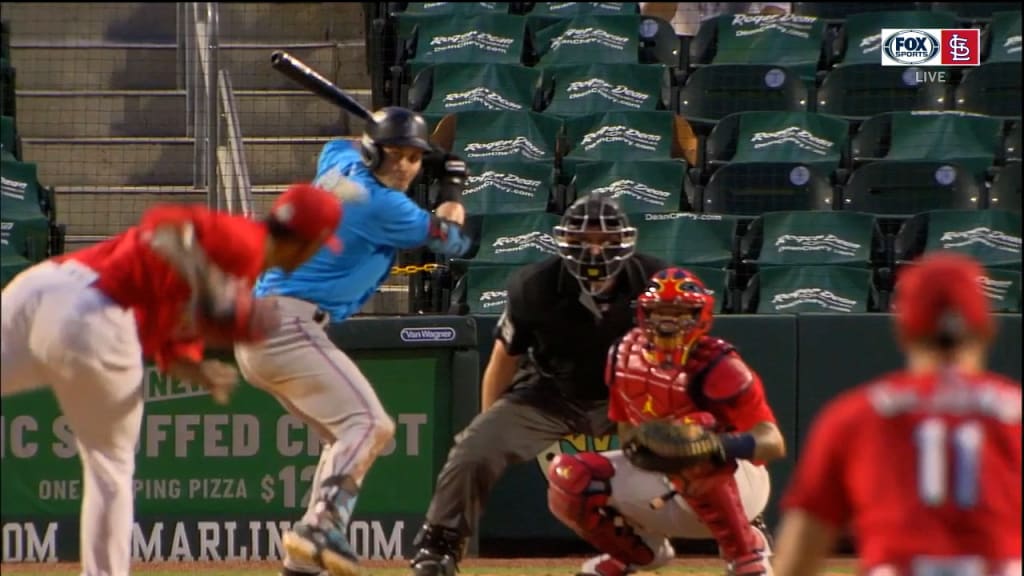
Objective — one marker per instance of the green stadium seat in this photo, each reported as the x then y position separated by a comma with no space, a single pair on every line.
753,189
8,78
992,237
457,8
993,89
456,87
477,39
582,89
1011,146
11,263
790,41
860,39
10,148
901,189
1006,190
968,140
687,239
858,91
814,140
813,238
508,187
838,11
1002,37
975,11
639,186
715,91
574,9
21,190
26,229
588,38
482,289
621,135
1003,288
511,238
499,135
718,282
810,289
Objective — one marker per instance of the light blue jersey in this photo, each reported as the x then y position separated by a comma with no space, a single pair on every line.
372,230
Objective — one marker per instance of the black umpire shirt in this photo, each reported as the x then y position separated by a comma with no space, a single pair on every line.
564,334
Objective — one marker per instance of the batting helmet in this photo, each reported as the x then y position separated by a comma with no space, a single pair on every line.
393,126
595,239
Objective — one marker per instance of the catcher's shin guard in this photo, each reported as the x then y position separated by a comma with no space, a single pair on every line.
578,491
719,507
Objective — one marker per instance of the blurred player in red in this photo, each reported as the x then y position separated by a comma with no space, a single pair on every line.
669,368
923,465
82,323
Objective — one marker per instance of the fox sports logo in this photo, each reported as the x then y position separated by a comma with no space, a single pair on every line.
911,47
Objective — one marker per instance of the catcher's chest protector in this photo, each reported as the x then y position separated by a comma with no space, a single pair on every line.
652,392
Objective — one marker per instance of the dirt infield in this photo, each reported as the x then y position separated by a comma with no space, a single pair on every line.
691,566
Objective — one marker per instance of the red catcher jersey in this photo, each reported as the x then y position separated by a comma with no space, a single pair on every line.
918,465
135,277
714,379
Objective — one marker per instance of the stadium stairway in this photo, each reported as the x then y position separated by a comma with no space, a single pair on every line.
102,109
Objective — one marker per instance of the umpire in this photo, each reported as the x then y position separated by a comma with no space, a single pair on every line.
545,378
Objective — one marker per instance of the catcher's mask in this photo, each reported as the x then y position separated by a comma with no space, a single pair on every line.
594,240
675,310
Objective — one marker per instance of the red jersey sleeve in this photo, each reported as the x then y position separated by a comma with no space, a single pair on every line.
616,411
818,483
737,394
175,350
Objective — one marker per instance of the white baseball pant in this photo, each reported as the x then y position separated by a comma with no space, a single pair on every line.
318,383
60,332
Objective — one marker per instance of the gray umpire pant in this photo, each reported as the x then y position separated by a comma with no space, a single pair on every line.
516,428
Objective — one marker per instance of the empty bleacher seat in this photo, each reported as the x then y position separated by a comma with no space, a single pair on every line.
753,189
992,237
589,38
491,135
482,289
902,188
860,37
511,238
813,237
622,135
639,186
713,92
968,140
858,91
476,39
1003,288
445,88
993,89
810,289
807,138
580,89
9,141
1003,37
1006,189
687,239
496,187
788,40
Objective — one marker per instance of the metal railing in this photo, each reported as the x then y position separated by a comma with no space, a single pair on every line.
202,98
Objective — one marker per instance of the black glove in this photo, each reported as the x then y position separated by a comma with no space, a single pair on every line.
668,447
453,179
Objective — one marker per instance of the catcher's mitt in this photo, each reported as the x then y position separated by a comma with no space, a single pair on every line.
670,447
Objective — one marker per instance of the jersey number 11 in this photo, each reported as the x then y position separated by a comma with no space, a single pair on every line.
933,437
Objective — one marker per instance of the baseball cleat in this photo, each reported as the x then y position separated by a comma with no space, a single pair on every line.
327,548
430,563
604,565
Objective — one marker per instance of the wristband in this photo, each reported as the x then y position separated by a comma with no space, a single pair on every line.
738,446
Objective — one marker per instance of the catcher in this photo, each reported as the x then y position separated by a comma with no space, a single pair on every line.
695,430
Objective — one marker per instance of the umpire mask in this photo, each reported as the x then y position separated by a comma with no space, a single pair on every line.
594,240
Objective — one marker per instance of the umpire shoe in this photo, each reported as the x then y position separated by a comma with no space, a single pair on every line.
290,572
438,553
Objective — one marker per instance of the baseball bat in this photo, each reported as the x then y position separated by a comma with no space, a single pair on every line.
309,79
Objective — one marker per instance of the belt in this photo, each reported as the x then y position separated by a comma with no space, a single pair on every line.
303,309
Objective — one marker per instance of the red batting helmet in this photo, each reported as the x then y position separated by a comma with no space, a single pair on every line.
676,310
939,298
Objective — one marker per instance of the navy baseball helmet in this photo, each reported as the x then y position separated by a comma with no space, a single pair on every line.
394,126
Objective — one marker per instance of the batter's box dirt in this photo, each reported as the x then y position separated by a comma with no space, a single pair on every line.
471,567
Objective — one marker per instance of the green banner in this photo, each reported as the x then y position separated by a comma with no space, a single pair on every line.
791,137
459,87
863,31
508,187
971,140
488,135
621,135
787,40
248,460
992,237
812,237
1006,37
471,38
651,186
589,38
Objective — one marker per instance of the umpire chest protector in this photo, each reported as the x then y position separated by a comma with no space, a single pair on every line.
571,332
